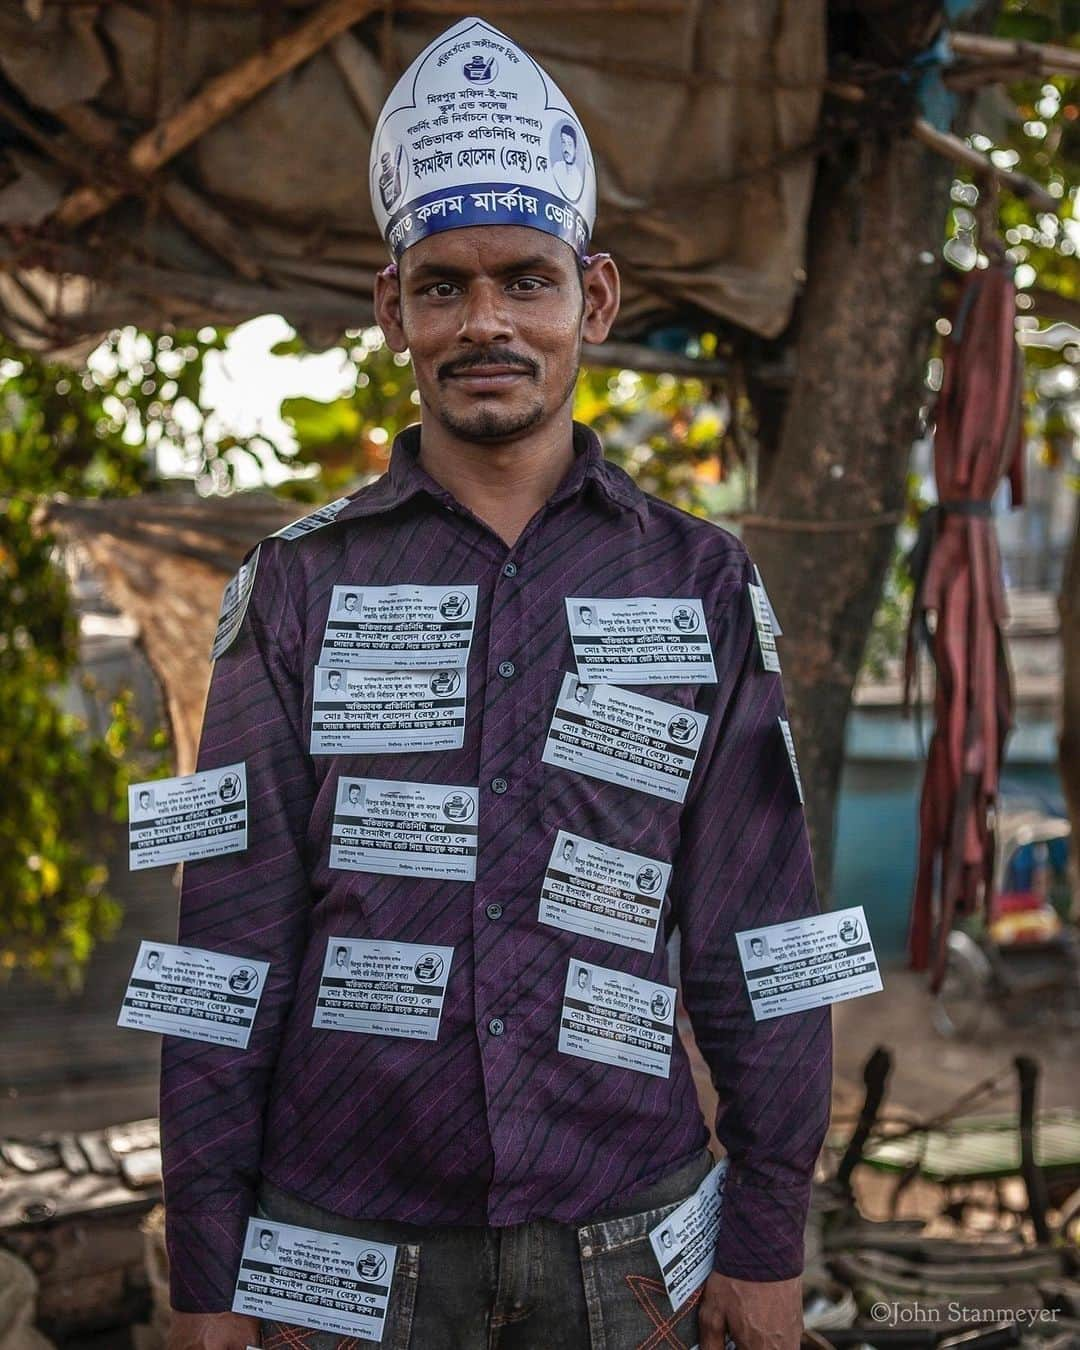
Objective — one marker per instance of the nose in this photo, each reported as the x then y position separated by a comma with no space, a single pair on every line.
484,320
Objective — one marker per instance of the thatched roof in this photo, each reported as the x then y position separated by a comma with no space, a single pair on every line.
164,560
203,163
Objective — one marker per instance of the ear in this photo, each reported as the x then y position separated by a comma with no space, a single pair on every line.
388,311
600,283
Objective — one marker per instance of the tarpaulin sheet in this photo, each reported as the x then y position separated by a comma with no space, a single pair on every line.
702,121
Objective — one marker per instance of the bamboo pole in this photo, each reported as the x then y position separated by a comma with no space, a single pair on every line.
952,147
205,222
1043,56
216,100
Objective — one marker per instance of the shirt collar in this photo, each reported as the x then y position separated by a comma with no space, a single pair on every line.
405,478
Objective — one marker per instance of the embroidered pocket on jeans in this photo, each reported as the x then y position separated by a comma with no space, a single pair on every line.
627,1303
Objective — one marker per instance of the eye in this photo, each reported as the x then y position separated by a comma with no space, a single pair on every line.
528,284
441,290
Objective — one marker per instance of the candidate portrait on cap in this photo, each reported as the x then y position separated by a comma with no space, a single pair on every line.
475,132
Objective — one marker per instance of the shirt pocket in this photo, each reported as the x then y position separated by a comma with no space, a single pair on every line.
611,813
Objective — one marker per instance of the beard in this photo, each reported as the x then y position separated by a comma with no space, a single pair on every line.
492,424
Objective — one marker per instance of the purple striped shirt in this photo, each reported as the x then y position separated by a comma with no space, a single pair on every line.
479,1127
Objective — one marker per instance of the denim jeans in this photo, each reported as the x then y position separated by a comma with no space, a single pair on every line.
540,1285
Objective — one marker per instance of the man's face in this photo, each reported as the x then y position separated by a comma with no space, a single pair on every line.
493,318
354,795
569,148
152,960
334,680
757,947
340,956
144,801
350,603
265,1241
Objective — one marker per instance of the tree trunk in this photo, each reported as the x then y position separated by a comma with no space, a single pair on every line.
1069,744
865,329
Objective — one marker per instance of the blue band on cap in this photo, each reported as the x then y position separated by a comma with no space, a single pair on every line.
486,204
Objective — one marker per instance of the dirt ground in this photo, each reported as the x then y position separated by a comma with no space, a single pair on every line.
928,1072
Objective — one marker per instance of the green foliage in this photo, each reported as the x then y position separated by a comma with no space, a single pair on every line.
84,433
349,438
674,436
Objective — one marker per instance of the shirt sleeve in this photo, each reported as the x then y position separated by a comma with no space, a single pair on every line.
251,904
744,862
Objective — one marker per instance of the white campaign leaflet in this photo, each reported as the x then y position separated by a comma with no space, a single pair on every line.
685,1241
617,1019
623,737
199,815
234,603
789,741
325,515
399,627
774,622
640,640
197,994
770,658
383,988
309,1278
603,892
807,963
405,829
379,712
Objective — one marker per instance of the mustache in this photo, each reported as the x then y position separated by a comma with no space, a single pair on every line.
490,356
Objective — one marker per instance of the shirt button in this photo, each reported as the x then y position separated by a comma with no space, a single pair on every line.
510,570
499,785
494,911
496,1026
506,669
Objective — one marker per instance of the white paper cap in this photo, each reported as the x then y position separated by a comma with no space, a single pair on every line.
475,133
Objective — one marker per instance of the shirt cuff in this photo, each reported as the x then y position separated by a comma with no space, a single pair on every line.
204,1258
762,1231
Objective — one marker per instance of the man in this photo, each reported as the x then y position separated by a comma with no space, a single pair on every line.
341,958
333,681
153,960
146,801
583,694
486,1144
567,171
